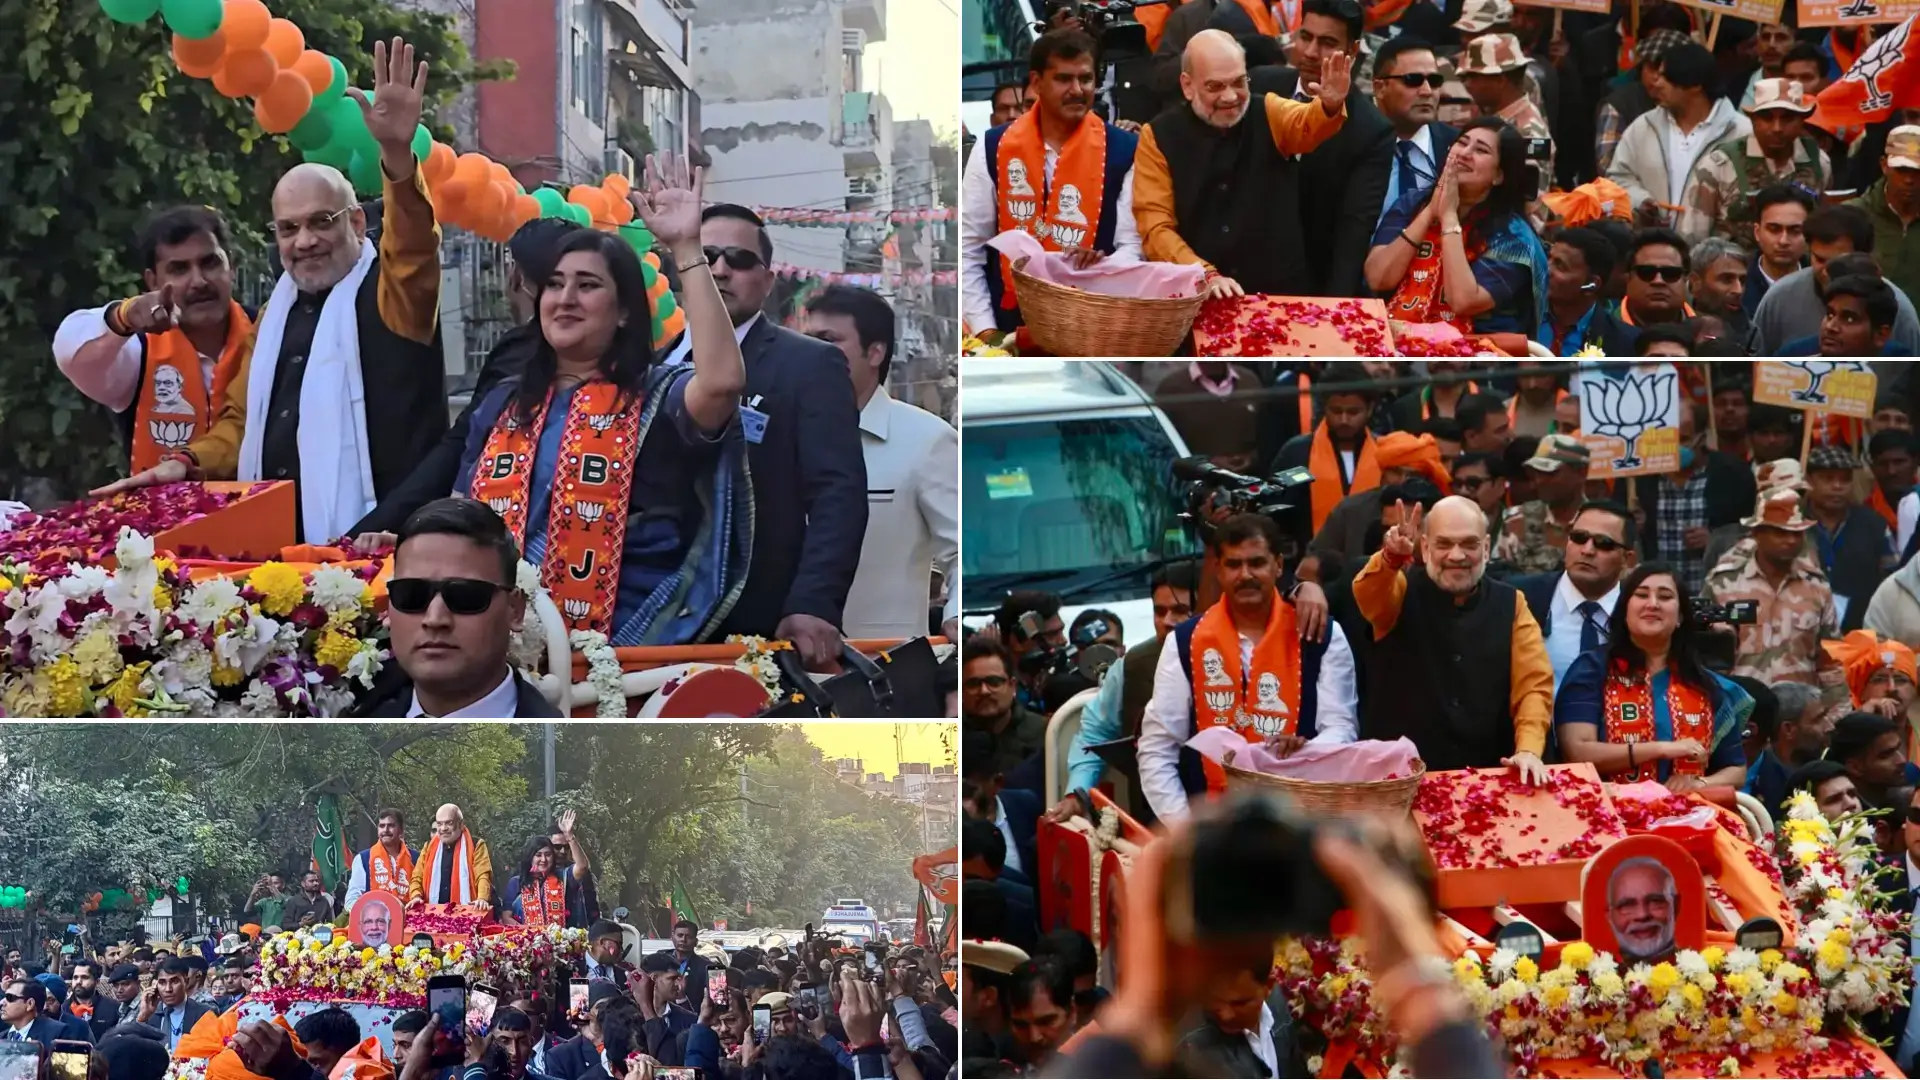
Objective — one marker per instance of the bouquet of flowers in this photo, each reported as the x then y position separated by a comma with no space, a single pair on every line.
298,967
87,531
144,640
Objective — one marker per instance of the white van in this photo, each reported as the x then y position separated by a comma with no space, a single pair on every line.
1066,486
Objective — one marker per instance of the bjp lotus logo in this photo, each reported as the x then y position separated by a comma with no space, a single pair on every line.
1626,408
501,504
1814,394
575,609
591,512
602,423
171,433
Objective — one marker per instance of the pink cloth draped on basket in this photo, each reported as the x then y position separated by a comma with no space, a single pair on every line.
1128,279
1369,759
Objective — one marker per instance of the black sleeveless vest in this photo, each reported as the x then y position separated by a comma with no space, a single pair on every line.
1443,676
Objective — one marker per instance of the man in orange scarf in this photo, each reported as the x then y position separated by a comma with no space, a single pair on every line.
1891,456
162,360
1340,452
1880,672
1397,455
1059,172
386,866
454,867
1242,665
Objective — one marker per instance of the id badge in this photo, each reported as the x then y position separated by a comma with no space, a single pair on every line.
753,423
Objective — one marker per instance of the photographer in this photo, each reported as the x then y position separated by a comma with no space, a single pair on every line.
1643,707
1243,665
1029,625
1169,974
1775,568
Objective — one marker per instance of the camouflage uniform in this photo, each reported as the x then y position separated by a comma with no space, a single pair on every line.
1784,644
1719,193
1491,54
1531,541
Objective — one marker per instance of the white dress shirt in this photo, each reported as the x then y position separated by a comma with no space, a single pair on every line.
1261,1039
1013,846
913,520
980,222
1563,616
502,703
1907,516
683,352
117,383
1167,723
1422,161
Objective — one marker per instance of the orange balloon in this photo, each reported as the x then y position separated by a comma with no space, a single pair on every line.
473,169
593,200
246,73
487,202
439,164
499,173
245,24
314,67
286,43
202,58
617,185
284,103
622,210
525,208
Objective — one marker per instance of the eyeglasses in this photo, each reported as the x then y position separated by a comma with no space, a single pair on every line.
1412,80
1669,274
315,223
738,258
1605,545
1913,815
1470,483
988,682
12,998
464,596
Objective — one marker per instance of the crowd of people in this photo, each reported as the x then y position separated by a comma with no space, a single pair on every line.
745,479
1654,181
834,1013
1452,574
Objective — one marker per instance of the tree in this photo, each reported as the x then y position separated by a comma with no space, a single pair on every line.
97,129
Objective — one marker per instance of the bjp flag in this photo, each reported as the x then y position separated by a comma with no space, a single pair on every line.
1887,72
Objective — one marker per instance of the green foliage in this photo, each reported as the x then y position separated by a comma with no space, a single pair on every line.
97,129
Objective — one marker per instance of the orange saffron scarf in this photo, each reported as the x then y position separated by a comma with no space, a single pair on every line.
384,871
587,517
1258,703
1419,298
1877,502
167,418
1329,485
1062,214
464,881
1628,708
1267,23
544,904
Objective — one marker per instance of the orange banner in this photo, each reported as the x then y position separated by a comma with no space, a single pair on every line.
940,874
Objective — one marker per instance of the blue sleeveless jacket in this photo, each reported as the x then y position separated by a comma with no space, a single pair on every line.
1120,147
1192,776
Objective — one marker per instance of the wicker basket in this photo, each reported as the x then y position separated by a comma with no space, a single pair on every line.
1074,322
1385,798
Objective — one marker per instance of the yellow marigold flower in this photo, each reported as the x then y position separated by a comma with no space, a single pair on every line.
1526,970
98,657
1556,997
164,563
280,586
1663,978
1770,959
1739,982
66,689
1577,955
336,650
1713,955
1695,997
224,675
1718,1025
1337,985
1784,1003
1841,934
1467,969
1833,954
125,690
162,599
367,954
5,583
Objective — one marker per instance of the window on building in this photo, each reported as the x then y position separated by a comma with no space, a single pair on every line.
662,110
589,75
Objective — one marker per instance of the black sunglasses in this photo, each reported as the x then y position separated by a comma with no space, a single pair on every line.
1412,79
1603,544
1913,815
1668,274
738,258
464,596
11,998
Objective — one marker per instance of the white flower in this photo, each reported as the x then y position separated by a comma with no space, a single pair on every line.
260,700
336,589
1691,964
249,646
133,551
84,582
1500,964
210,601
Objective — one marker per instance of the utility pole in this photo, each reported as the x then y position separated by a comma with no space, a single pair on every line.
547,737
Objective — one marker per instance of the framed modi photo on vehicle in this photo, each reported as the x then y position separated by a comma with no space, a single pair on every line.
377,918
1643,899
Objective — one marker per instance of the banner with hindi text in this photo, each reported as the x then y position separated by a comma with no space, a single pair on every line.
1629,418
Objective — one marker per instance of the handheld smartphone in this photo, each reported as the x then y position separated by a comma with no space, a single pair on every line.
69,1059
577,997
481,1001
20,1060
676,1073
762,1024
447,999
717,987
870,961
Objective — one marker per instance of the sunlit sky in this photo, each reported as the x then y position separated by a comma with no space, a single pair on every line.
918,65
874,743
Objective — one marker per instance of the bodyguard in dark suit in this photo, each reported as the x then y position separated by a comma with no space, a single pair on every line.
1406,89
21,1017
803,431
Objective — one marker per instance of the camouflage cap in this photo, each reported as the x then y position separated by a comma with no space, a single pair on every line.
1784,473
1658,44
1493,54
1903,147
1778,509
1557,450
1782,94
1481,15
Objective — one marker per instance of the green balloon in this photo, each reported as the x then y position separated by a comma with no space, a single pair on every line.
335,89
579,215
334,153
552,203
130,11
312,132
182,885
364,171
638,238
422,143
647,273
193,19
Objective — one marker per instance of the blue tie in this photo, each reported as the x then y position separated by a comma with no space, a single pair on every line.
1405,179
1593,632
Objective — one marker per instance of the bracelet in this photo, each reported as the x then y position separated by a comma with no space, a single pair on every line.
116,318
1455,231
692,266
1411,242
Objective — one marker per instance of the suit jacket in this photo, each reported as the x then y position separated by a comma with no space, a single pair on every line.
1023,812
1538,591
44,1030
191,1010
1023,914
912,459
392,697
1345,180
1208,1051
106,1013
572,1059
434,477
809,482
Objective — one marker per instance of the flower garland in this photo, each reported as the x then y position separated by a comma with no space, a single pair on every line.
1848,960
297,967
603,673
757,661
143,639
186,1069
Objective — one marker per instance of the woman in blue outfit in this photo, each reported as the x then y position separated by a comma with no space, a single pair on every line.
545,893
624,479
1643,706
